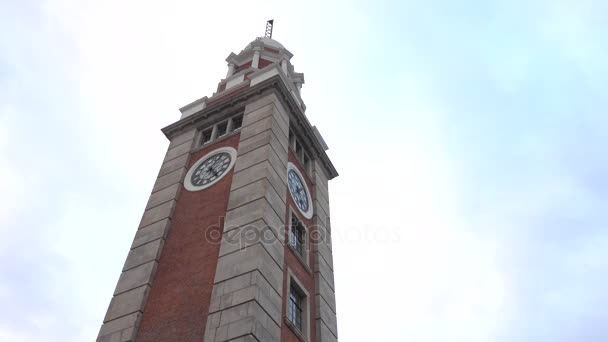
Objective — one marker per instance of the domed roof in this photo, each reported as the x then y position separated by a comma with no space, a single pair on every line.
271,42
266,41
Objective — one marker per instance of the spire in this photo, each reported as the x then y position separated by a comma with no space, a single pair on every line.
269,24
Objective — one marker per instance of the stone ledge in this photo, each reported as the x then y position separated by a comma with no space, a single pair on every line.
322,251
266,124
270,99
323,332
321,192
245,319
320,173
322,231
256,173
213,321
144,254
173,165
267,137
169,179
178,151
323,309
325,315
182,138
323,202
323,187
244,296
254,257
157,213
255,191
320,180
301,259
323,289
136,277
322,268
260,154
151,232
126,335
319,211
251,212
121,323
245,288
269,110
296,331
163,196
127,303
249,235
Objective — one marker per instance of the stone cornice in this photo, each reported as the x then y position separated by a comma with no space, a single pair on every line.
238,101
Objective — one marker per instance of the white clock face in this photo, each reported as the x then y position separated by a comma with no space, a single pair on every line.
298,190
209,169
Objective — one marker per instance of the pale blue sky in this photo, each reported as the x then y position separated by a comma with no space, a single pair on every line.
470,137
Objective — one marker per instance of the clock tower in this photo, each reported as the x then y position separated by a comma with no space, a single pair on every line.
235,240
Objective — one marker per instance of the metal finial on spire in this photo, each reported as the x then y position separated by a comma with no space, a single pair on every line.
268,33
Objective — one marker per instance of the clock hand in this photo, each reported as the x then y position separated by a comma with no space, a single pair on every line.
218,167
213,170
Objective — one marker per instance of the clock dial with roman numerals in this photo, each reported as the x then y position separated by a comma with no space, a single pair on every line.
298,190
209,169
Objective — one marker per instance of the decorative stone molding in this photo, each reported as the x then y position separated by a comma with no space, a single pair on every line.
275,84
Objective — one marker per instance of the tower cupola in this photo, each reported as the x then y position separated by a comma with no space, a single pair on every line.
261,59
263,53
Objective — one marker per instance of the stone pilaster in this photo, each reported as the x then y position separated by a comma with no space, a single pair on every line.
125,311
325,299
246,299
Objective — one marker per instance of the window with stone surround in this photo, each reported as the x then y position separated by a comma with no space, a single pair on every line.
300,151
297,307
221,129
206,135
297,235
237,122
306,162
297,238
296,302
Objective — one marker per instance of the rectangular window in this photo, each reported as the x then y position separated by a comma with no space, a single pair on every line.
237,122
306,163
296,235
296,300
221,129
292,140
206,136
299,150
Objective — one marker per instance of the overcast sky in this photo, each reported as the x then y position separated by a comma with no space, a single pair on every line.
470,137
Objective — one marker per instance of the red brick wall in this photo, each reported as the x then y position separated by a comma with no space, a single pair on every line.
229,94
178,304
221,87
241,67
263,63
304,274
